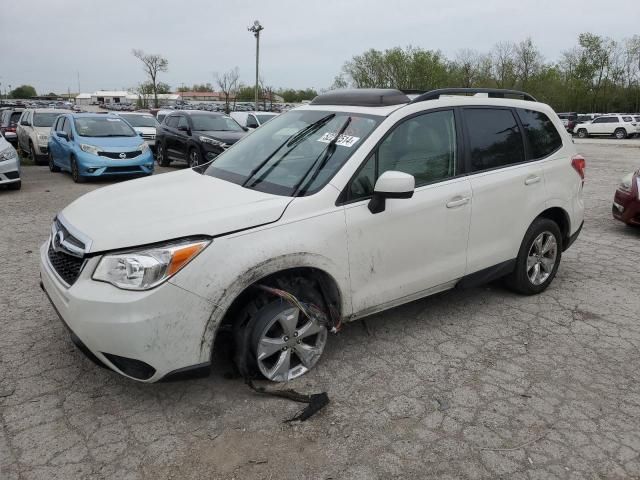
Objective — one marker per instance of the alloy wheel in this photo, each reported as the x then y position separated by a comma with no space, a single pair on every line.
289,345
194,159
541,259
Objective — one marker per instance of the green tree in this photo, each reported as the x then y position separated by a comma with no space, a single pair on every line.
23,91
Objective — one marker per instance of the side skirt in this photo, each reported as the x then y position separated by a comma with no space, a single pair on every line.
487,275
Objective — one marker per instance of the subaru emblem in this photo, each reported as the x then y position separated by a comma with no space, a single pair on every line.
56,241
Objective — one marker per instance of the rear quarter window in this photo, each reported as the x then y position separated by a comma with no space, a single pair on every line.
541,133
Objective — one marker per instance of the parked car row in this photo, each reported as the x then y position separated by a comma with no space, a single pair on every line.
613,124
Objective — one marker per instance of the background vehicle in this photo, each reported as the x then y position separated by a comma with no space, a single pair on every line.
195,137
9,165
93,145
143,123
626,202
620,126
9,119
252,120
359,202
160,114
569,120
33,131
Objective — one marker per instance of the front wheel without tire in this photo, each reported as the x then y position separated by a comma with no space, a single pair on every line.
285,344
538,258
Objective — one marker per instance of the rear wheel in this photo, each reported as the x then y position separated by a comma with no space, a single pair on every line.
538,258
620,133
582,133
52,165
161,156
75,172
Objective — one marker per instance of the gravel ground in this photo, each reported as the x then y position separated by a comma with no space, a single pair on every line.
479,383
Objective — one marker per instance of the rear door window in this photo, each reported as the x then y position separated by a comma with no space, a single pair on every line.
541,133
494,138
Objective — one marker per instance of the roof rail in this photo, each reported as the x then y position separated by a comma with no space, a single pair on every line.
491,92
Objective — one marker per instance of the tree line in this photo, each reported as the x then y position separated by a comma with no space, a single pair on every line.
599,74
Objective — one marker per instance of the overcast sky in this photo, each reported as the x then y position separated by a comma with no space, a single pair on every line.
46,43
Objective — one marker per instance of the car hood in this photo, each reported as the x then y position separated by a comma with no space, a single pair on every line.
169,206
42,130
227,137
113,142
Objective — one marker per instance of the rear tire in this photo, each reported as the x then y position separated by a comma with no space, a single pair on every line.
582,133
52,166
538,258
620,133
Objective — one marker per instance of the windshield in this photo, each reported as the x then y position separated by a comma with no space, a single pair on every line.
103,126
264,118
292,153
215,122
44,119
141,120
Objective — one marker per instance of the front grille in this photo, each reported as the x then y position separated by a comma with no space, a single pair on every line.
44,150
123,169
149,136
66,266
116,155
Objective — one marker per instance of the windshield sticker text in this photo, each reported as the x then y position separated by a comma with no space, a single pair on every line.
343,140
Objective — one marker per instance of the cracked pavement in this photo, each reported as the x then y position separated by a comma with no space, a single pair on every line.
478,383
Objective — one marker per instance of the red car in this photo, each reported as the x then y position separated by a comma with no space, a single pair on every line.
626,202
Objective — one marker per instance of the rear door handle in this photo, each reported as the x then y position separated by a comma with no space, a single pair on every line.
457,202
531,180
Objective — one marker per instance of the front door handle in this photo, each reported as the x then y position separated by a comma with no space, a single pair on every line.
532,179
457,202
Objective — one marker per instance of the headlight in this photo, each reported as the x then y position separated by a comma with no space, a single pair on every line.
147,268
43,138
144,147
212,141
8,154
625,183
89,148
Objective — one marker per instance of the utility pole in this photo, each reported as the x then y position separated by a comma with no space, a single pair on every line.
256,29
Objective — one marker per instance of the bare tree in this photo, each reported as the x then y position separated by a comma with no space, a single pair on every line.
503,56
152,65
467,64
528,61
229,83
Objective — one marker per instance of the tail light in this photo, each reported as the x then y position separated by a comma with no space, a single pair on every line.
579,164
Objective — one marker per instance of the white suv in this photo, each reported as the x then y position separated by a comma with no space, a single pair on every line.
620,126
358,202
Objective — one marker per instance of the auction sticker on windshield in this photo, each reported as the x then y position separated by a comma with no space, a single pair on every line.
343,140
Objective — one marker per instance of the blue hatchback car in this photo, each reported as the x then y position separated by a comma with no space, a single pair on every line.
95,145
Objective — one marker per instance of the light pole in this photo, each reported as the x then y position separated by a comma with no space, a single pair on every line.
256,28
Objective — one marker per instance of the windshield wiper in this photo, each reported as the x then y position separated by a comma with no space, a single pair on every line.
326,155
295,138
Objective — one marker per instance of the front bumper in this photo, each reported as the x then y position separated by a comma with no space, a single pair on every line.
626,206
90,165
161,328
9,171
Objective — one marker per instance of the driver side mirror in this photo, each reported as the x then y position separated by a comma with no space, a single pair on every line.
391,184
184,128
25,123
252,124
63,135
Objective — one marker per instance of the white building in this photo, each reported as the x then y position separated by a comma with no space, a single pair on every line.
164,99
102,96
